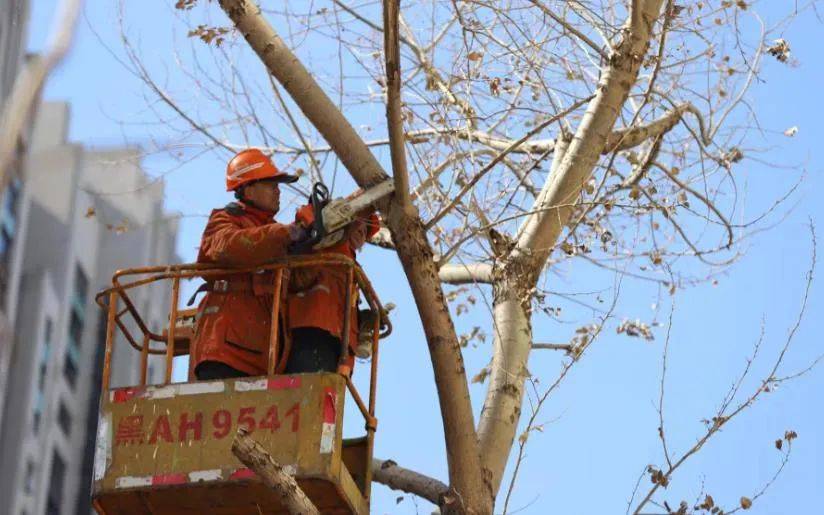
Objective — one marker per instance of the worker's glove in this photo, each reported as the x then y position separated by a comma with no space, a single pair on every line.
305,216
297,233
366,327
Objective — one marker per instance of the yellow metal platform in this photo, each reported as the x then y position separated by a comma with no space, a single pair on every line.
167,449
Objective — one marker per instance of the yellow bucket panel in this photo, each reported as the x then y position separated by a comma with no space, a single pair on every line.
160,439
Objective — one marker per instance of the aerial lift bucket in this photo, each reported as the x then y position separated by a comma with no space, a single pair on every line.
166,449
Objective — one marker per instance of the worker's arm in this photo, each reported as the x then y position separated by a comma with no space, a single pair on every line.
226,241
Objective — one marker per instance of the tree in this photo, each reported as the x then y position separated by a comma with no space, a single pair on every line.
537,133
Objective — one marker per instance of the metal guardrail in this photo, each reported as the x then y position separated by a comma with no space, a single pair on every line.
109,299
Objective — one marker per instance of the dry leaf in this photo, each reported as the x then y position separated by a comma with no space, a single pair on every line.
746,503
780,50
475,56
481,376
90,212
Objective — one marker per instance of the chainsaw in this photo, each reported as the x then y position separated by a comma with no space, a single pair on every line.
331,216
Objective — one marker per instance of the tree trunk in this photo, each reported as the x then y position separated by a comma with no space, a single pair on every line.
541,231
504,396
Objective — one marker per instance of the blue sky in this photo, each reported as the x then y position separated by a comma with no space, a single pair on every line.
600,427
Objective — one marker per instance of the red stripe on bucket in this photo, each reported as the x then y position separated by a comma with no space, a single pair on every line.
169,479
329,399
283,383
242,474
125,394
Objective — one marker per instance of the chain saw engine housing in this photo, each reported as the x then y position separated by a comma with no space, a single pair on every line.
331,216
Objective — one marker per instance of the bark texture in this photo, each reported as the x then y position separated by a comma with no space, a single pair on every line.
473,494
254,456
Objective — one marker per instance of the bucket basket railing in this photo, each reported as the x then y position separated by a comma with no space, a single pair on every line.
170,342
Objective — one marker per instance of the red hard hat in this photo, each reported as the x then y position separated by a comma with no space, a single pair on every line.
252,165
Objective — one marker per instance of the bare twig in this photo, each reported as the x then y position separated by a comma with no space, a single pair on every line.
577,33
725,414
478,176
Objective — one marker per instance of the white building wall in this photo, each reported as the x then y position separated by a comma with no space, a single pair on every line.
14,16
95,212
20,444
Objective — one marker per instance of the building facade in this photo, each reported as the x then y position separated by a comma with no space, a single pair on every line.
13,21
84,214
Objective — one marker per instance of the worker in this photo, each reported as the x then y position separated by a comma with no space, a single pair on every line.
234,318
316,312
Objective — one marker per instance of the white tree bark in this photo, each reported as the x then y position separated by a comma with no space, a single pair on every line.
470,273
512,341
541,231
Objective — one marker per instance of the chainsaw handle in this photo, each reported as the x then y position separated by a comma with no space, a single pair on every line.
318,199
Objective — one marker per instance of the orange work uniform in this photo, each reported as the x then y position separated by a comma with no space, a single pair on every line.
234,318
322,304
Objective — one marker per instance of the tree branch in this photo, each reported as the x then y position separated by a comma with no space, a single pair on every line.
515,144
630,137
387,472
577,33
553,346
469,273
621,139
254,456
394,114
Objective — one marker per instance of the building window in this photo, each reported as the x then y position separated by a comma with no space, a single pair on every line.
56,478
81,289
77,317
28,484
64,419
44,355
43,366
8,228
70,368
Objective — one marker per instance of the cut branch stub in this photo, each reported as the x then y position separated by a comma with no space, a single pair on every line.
254,456
388,473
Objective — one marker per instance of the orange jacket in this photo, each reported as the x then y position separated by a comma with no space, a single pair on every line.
321,305
233,327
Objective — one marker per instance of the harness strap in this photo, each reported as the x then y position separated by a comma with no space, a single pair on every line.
229,286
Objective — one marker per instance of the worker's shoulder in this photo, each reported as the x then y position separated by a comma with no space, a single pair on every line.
230,210
234,209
